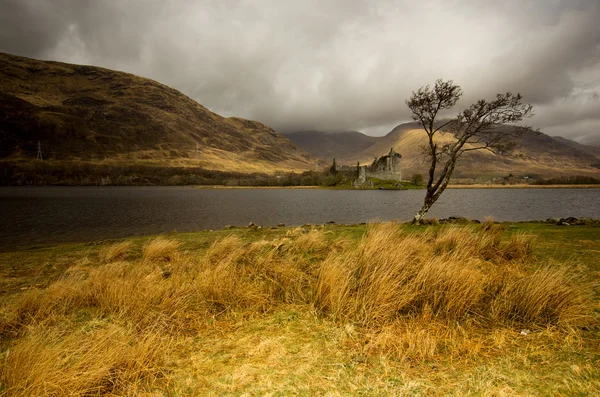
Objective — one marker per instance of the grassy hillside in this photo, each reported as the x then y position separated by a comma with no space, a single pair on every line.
536,154
367,310
91,114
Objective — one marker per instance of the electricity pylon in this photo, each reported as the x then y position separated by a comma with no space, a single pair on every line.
39,151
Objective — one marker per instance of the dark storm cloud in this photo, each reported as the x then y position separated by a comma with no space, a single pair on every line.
28,28
338,64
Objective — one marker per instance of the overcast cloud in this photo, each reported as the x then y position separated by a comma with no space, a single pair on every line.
332,64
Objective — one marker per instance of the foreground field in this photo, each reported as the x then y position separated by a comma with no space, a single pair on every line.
367,310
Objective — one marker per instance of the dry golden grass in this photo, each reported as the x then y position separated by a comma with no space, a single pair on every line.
128,326
431,221
455,274
115,252
488,223
99,359
552,295
160,249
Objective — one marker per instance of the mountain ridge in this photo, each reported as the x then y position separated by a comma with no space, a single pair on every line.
591,149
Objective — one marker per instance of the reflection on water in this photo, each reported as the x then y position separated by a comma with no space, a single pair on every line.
38,215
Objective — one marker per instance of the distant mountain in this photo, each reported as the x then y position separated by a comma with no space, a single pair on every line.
327,145
536,155
593,150
592,140
87,113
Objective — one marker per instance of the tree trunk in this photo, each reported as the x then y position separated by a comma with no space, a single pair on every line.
436,191
418,219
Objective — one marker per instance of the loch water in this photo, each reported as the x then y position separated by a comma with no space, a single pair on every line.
46,215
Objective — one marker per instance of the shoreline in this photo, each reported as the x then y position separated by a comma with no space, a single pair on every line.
457,186
522,186
275,228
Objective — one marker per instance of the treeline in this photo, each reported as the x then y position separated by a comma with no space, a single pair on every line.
70,174
90,174
566,180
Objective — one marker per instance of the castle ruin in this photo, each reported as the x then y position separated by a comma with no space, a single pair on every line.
387,167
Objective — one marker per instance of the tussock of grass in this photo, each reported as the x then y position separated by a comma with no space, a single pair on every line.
93,361
518,247
431,221
228,276
160,249
404,296
488,223
548,295
115,252
453,272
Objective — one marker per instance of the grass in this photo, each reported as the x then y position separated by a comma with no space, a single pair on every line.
381,309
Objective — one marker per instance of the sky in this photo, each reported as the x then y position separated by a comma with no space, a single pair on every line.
332,64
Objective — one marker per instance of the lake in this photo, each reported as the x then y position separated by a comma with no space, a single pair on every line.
43,215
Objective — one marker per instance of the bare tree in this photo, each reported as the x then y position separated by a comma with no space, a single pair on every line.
483,126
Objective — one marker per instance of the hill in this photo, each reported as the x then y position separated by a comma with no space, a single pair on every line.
536,155
91,114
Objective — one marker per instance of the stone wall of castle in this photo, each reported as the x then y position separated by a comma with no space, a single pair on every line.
388,167
395,175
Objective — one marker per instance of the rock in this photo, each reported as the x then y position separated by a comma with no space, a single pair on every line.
229,227
570,221
525,332
330,223
574,221
251,224
456,220
281,225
